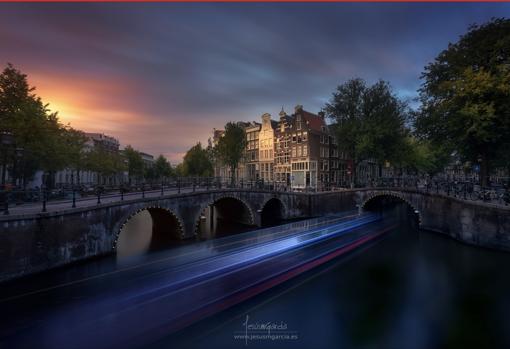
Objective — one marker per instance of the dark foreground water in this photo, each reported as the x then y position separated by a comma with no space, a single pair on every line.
410,290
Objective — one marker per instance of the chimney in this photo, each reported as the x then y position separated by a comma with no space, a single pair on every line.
298,108
321,114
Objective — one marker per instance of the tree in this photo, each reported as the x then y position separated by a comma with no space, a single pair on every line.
196,162
419,156
179,170
162,168
38,138
368,121
231,146
466,96
135,163
75,141
107,164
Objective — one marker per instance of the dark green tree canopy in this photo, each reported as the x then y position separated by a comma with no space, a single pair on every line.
41,141
231,146
134,162
466,95
368,121
197,163
162,168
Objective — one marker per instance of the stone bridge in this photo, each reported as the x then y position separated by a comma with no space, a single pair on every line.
36,242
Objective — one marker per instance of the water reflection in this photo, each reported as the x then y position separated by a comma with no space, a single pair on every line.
411,290
135,238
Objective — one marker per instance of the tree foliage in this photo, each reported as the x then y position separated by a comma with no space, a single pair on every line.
196,162
105,163
135,165
368,121
162,168
231,146
39,140
466,95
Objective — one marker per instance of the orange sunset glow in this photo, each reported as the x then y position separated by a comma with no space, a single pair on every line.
160,77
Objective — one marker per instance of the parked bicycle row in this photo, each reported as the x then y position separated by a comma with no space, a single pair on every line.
498,194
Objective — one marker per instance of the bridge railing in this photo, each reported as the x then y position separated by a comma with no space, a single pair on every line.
71,196
465,190
40,199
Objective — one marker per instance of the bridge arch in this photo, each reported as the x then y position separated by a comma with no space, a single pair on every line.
167,228
219,208
372,197
272,211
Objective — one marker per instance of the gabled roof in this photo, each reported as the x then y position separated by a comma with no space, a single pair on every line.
314,121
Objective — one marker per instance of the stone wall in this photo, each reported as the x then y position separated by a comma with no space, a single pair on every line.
33,243
39,242
478,224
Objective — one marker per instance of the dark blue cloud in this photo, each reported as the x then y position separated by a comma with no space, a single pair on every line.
205,64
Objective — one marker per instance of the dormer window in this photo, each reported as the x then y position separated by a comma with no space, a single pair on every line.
298,122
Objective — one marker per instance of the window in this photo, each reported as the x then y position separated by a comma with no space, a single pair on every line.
299,151
305,150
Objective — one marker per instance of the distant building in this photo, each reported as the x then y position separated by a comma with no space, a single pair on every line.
251,159
107,143
148,160
70,176
266,148
307,136
282,151
297,150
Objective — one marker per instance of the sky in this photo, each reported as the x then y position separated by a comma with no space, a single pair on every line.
161,76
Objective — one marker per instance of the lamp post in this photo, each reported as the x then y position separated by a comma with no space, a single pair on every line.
98,190
44,179
74,191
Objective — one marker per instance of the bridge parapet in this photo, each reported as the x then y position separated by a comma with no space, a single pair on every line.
33,242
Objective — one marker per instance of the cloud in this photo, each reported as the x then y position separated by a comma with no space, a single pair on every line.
160,76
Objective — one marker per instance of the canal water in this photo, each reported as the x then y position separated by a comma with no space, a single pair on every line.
409,290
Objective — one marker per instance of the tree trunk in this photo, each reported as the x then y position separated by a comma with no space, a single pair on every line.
233,175
4,170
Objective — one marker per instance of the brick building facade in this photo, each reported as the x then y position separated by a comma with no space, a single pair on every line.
297,151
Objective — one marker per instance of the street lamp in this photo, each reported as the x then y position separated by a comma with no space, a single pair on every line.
44,194
74,190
